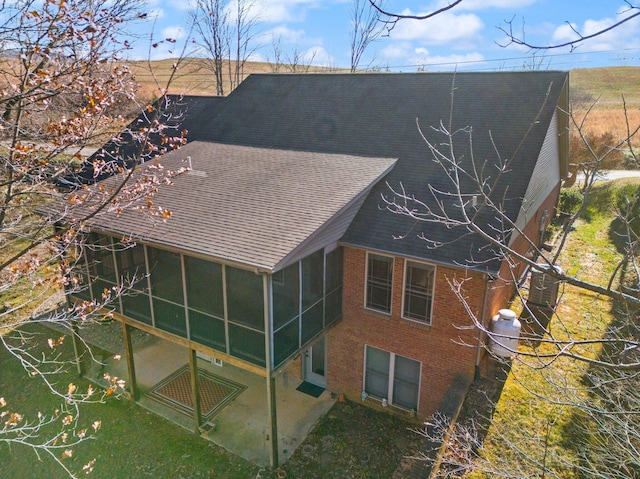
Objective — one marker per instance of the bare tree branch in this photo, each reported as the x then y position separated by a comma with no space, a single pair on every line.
573,44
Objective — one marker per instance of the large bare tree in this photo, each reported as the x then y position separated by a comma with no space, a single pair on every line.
366,27
605,403
211,23
245,19
226,33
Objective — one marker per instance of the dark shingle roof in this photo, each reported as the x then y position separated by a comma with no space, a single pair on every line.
256,204
176,113
378,115
252,206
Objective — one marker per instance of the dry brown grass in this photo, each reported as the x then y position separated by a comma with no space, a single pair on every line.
606,91
192,76
603,121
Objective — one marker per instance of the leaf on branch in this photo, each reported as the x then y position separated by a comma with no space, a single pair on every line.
14,419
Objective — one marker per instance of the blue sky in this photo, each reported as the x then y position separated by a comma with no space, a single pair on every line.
464,38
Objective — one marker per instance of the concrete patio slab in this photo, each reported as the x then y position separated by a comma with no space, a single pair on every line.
241,427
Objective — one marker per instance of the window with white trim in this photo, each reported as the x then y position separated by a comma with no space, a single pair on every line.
379,281
392,377
418,291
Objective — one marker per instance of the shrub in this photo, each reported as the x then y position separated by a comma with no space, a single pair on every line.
627,205
569,202
601,144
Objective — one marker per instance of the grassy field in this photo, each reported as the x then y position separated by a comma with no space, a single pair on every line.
601,95
607,85
193,77
130,443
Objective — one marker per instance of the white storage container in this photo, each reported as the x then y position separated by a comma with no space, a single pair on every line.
506,332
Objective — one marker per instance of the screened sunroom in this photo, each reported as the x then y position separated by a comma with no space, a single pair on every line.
222,307
247,270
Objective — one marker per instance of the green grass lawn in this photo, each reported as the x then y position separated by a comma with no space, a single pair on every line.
532,428
352,440
131,442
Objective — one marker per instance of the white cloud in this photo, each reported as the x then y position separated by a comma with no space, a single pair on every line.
445,27
155,14
403,54
277,11
422,57
396,51
181,4
317,56
173,32
284,35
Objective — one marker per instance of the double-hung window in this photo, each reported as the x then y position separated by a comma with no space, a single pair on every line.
379,281
392,377
418,291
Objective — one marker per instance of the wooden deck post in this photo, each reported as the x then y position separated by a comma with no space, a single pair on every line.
270,381
195,390
77,347
131,368
273,420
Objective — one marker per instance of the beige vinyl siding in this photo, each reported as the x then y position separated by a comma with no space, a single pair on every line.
545,177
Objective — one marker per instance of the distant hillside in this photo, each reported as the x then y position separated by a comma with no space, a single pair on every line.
193,77
608,85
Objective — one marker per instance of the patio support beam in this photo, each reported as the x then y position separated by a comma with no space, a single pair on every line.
159,333
270,381
131,368
195,390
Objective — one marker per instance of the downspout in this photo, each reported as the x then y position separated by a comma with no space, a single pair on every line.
481,333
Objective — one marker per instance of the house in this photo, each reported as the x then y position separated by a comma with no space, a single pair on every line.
283,238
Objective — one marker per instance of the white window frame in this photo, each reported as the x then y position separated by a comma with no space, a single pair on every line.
392,370
427,321
366,283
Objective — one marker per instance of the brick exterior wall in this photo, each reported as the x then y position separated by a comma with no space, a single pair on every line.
504,287
445,348
501,291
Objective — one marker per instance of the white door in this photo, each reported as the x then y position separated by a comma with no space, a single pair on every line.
315,364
